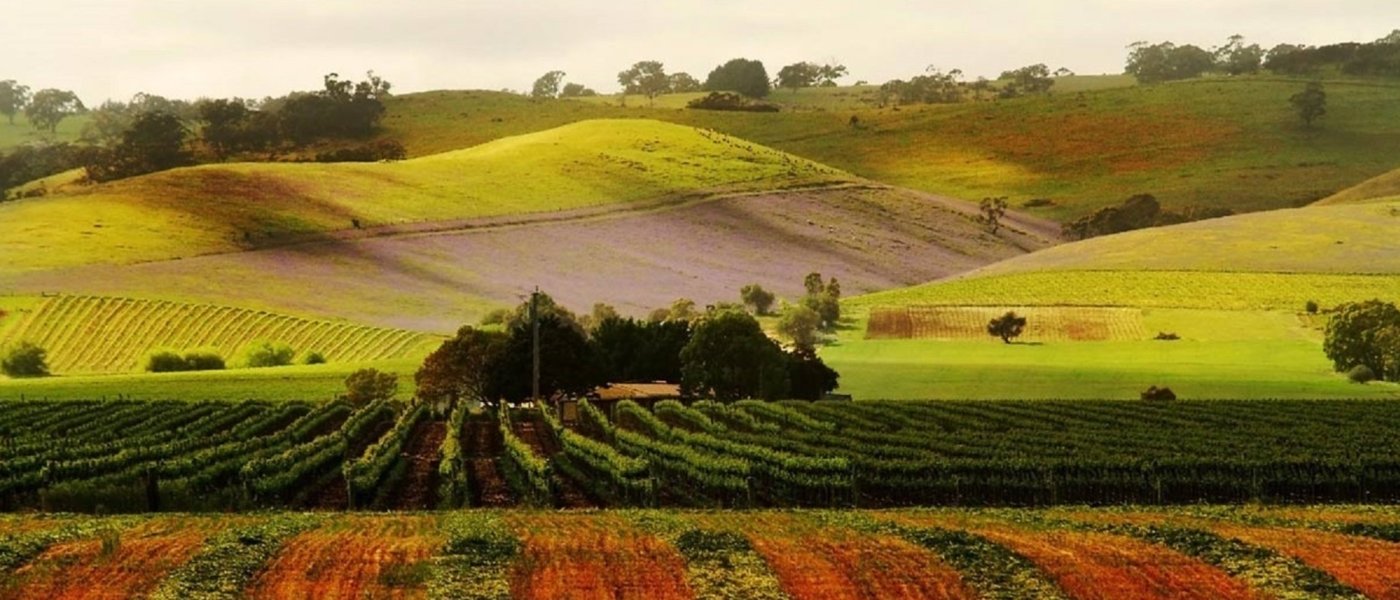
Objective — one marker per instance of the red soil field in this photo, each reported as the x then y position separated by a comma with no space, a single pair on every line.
593,556
1369,565
134,566
1094,566
353,558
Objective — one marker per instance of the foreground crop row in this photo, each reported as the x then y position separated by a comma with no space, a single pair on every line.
1202,552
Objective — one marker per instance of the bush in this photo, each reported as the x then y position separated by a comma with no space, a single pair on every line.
368,385
267,354
25,360
313,358
1159,393
731,102
1167,336
1311,307
1361,374
165,361
204,360
373,152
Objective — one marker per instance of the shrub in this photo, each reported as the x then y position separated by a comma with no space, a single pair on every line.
730,102
313,357
1311,307
367,385
1159,393
1361,374
204,360
1167,336
25,360
267,354
372,152
165,361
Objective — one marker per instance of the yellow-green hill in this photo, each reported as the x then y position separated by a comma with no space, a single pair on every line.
230,207
1377,189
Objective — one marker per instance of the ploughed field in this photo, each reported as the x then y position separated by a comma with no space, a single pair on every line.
133,457
1124,553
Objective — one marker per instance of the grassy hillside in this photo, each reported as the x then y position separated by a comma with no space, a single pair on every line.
1233,290
21,132
113,335
221,208
1218,142
1359,238
869,238
1382,188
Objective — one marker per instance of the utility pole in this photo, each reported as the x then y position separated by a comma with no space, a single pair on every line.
535,344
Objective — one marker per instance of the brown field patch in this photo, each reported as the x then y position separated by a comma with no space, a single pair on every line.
127,564
588,556
1371,566
355,557
1051,324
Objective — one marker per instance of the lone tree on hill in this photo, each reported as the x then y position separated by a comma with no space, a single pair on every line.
747,77
1311,103
992,210
647,78
13,98
25,360
547,86
48,107
757,298
1007,326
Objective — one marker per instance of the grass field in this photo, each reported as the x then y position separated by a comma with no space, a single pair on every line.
272,384
21,132
1200,552
222,208
1382,188
1217,142
91,335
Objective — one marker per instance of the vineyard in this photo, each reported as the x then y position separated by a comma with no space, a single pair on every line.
1206,552
85,334
130,457
1077,324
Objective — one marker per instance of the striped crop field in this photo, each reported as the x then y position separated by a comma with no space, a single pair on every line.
756,555
1076,324
94,334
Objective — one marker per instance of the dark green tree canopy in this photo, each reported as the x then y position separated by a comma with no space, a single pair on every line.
730,358
48,107
629,350
155,142
460,369
1311,103
1155,63
747,77
1366,334
1007,326
568,364
13,98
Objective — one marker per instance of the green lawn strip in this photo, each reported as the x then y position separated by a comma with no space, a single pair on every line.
230,560
718,564
474,563
992,570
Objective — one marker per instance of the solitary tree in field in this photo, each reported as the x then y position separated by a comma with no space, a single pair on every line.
576,90
13,98
48,107
992,210
647,78
683,82
1007,326
747,77
25,360
1365,334
757,298
829,73
547,86
1311,103
798,75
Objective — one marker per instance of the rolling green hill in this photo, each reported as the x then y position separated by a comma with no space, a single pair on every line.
1382,188
1232,291
1224,142
233,207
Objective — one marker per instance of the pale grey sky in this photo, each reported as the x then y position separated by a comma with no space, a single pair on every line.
253,48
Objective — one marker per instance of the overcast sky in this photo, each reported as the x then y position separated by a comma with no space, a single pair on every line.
253,48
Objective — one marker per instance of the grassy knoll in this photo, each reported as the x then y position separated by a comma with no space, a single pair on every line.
1218,142
21,132
1381,188
1222,354
276,384
218,208
1350,238
90,335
